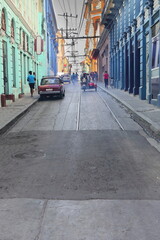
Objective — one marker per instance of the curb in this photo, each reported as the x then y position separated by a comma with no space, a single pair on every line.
139,117
17,117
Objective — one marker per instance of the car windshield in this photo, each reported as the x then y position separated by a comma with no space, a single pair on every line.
48,81
66,75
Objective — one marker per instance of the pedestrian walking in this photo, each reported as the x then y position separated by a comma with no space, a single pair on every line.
95,76
31,80
73,77
92,76
106,77
76,77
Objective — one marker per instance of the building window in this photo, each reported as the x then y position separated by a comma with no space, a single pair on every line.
27,47
155,46
24,73
20,36
28,68
13,67
98,5
3,20
12,29
24,41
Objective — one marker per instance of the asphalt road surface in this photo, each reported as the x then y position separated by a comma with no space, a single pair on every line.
79,169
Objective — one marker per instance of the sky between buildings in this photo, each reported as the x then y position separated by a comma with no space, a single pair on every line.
74,7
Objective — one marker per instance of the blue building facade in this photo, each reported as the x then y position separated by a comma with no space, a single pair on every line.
51,30
134,34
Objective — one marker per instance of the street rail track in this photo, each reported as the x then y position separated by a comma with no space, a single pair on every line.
78,113
104,101
114,116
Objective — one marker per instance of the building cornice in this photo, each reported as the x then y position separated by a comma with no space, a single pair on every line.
19,15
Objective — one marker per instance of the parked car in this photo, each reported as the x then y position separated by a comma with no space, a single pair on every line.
51,86
66,78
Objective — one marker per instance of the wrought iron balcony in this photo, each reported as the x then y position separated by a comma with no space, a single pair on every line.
110,11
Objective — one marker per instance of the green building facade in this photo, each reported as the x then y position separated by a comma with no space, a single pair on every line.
20,23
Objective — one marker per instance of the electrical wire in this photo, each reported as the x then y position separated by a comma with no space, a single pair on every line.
64,6
81,18
76,12
70,12
69,6
63,10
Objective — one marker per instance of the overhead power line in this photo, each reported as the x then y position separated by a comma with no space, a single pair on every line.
64,6
81,18
66,18
63,10
70,10
76,11
69,6
82,37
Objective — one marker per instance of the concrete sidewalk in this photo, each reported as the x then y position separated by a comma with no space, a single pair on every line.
146,114
31,219
10,114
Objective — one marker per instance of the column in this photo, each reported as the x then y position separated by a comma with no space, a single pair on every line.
130,69
9,55
125,63
149,97
142,88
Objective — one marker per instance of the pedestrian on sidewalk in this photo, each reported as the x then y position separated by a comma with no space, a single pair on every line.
106,77
31,80
95,76
73,77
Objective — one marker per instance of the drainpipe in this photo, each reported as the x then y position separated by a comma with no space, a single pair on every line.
150,7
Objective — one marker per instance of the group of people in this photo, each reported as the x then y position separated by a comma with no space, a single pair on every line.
74,77
94,77
85,78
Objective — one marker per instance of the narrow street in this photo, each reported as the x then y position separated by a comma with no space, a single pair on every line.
79,169
80,120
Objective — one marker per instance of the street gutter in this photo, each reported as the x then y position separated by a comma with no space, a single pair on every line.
17,117
140,118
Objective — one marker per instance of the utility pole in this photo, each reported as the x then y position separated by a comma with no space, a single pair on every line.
66,16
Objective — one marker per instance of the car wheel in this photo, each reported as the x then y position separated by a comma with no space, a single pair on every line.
61,95
41,97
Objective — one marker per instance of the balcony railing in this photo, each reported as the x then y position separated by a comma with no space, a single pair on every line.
110,10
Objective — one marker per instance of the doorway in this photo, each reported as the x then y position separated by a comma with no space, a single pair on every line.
5,67
21,80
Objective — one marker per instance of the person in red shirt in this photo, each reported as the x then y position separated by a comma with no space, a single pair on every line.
106,77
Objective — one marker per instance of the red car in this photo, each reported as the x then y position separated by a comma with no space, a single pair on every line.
51,86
